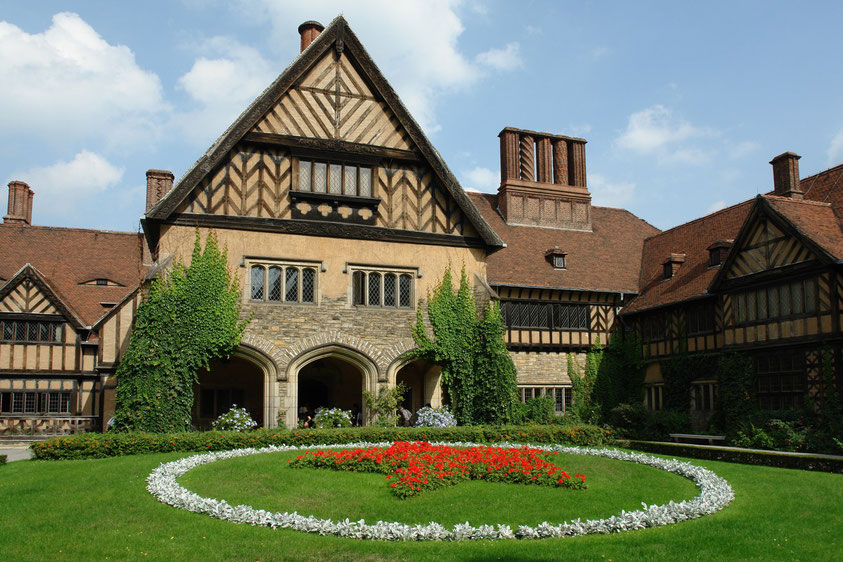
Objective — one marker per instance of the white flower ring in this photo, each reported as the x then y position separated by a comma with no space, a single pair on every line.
715,494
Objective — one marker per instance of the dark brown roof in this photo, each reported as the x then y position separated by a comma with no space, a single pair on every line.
817,217
606,259
66,257
694,275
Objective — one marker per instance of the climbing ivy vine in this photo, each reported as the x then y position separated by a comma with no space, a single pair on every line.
477,372
187,318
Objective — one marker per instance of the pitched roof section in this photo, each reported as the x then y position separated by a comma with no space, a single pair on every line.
340,37
694,275
817,218
606,259
66,257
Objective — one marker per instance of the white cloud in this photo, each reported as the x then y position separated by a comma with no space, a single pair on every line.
654,128
692,155
69,83
481,179
60,187
835,149
508,58
742,149
600,52
608,193
221,84
414,43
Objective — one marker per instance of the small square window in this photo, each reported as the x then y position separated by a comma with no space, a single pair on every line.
559,261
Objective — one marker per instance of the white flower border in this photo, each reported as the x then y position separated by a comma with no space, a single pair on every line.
715,494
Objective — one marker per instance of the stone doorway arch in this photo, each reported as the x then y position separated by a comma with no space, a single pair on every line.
336,374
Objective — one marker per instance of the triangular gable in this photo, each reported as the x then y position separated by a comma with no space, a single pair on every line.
28,292
766,241
332,91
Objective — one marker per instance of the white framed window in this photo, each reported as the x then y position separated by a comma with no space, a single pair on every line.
282,281
385,287
562,395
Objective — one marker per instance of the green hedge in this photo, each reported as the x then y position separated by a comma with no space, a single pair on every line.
98,445
804,461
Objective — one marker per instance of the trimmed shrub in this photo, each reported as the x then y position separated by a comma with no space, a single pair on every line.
99,445
635,421
236,419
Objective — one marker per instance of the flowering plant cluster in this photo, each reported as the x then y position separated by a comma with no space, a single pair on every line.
715,494
236,419
332,417
419,466
435,417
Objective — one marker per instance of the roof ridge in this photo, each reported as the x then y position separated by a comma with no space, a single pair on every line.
702,218
76,228
784,199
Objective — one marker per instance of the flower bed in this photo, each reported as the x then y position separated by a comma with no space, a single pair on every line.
715,494
419,466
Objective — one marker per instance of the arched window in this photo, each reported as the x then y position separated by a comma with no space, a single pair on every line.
291,284
308,285
257,283
374,289
274,284
389,289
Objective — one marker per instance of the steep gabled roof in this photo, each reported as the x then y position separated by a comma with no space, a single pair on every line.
28,272
606,259
814,221
66,258
337,35
694,276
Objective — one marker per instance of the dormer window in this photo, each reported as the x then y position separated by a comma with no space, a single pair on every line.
557,258
717,252
672,264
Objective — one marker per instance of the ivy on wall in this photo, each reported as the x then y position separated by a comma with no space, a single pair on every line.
477,372
187,318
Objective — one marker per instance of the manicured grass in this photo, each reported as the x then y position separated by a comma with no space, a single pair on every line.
265,481
99,509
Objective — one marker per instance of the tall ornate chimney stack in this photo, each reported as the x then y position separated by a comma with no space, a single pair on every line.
20,204
309,31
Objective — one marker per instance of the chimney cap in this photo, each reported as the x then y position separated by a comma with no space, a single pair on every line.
160,173
783,155
311,24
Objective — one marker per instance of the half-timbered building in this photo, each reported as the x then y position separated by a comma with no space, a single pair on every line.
760,277
339,216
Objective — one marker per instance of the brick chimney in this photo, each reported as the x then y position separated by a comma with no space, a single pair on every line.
20,204
309,31
786,175
543,180
158,184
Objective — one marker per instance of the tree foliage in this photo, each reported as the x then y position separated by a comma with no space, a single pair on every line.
477,371
187,318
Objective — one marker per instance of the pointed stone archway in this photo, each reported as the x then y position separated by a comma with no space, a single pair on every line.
249,378
422,378
330,376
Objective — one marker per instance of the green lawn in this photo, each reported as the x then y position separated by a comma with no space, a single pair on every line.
99,509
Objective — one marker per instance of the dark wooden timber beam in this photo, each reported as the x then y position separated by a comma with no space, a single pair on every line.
339,147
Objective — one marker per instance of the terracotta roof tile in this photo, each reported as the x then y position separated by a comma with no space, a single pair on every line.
67,257
606,259
814,220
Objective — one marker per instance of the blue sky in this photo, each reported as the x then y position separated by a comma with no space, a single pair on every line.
683,104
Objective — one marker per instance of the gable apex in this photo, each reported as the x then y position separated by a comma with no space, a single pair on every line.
338,36
38,298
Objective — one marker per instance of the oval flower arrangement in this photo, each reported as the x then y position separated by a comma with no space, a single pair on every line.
419,466
715,494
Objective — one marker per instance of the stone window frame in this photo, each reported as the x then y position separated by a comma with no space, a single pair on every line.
283,265
563,395
361,295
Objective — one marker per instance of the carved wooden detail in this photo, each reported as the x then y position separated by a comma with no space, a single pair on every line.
767,247
333,101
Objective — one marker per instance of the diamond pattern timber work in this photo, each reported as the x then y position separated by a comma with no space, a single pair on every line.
334,102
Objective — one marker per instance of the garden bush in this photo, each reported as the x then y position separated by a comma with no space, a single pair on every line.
435,417
98,445
2,459
635,421
332,417
236,419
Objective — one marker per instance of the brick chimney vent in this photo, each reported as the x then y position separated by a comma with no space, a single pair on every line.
20,204
309,31
786,175
158,184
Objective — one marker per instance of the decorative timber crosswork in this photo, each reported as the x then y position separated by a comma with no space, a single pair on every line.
767,247
333,101
26,297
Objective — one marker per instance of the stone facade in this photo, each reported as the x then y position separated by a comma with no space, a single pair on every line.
550,368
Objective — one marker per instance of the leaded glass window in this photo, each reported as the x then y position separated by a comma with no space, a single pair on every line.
320,177
257,283
291,284
336,178
382,288
389,289
274,284
374,289
359,288
308,285
406,292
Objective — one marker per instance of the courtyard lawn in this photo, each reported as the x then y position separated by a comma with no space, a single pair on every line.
99,509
